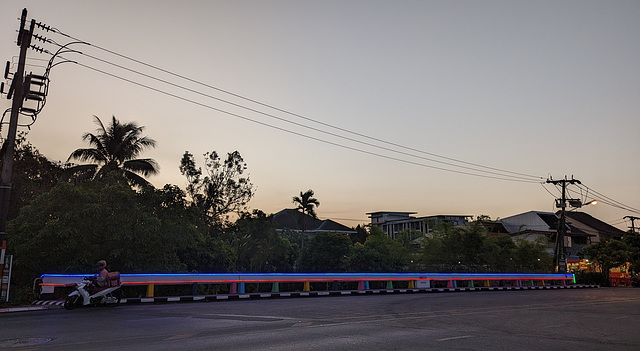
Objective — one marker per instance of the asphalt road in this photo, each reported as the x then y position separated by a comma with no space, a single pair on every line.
568,319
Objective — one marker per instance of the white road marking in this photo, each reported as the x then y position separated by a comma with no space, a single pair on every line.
455,338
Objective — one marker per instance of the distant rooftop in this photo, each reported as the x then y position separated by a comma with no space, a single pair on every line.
292,219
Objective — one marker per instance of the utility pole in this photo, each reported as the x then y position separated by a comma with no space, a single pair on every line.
559,254
17,90
633,227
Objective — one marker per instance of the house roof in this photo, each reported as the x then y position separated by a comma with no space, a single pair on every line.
550,219
601,227
535,220
293,219
494,227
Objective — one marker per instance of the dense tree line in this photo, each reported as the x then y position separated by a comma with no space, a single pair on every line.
71,216
608,254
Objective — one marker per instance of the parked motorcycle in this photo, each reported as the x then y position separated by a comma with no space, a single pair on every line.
88,293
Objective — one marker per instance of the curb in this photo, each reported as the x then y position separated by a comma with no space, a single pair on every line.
35,307
47,304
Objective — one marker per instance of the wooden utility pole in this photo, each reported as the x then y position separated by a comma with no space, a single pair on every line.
633,227
17,91
559,254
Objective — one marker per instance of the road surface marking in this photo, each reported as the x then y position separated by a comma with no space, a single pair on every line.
455,338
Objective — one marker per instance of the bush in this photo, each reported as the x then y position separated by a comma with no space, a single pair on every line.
592,278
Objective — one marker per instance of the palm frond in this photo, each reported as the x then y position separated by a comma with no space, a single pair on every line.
79,173
87,155
144,166
117,146
136,180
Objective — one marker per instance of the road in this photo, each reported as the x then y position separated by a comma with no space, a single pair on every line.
568,319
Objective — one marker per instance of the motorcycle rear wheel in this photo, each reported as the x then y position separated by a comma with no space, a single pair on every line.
114,298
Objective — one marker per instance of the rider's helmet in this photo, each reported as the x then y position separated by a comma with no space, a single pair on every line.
101,264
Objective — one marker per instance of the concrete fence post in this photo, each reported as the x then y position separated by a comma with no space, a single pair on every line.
150,289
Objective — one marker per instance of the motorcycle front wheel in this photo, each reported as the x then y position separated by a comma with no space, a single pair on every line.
70,302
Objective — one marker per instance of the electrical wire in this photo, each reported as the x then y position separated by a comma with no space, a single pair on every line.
603,199
296,123
607,200
545,188
294,132
493,170
496,173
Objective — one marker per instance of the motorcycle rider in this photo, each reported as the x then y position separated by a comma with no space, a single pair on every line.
103,274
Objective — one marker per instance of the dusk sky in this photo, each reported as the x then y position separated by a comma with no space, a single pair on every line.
535,88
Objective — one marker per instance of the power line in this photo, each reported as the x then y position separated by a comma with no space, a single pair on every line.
609,201
545,188
299,124
493,170
294,132
519,176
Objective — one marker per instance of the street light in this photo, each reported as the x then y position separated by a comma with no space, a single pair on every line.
576,203
559,254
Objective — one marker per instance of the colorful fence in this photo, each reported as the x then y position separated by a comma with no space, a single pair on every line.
237,282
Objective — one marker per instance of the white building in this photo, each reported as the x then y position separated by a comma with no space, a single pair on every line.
393,222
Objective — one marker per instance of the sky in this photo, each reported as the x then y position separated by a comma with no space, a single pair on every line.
372,104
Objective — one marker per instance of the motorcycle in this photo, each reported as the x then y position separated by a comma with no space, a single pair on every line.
88,293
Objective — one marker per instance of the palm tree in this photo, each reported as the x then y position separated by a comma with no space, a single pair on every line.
306,204
114,148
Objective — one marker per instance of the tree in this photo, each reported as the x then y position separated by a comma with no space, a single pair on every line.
223,190
633,241
306,204
448,249
69,228
360,236
326,252
499,253
608,254
115,147
408,238
33,174
531,257
379,253
259,247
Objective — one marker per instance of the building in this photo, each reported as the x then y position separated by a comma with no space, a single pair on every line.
294,220
393,222
581,230
580,222
533,226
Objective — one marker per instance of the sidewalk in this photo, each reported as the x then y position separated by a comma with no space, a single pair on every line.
39,307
